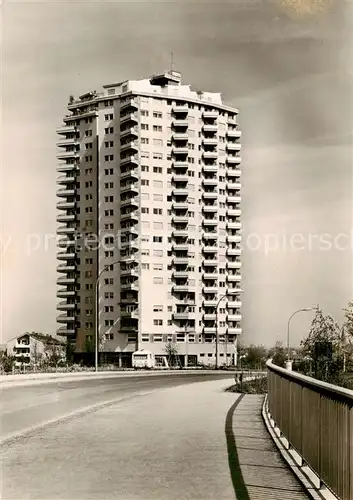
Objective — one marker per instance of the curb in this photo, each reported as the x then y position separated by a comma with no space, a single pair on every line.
308,479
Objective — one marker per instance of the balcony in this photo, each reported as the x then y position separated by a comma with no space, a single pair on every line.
209,289
235,264
129,328
65,293
210,115
67,167
233,277
180,261
180,219
210,208
180,247
180,233
130,272
67,141
130,174
233,185
130,117
210,222
63,155
66,129
180,151
65,205
233,212
233,146
210,249
209,330
180,178
209,275
210,168
210,263
234,304
130,216
210,182
234,317
236,238
65,230
65,318
63,331
64,306
180,274
210,195
180,137
181,110
182,288
65,218
133,202
133,131
209,317
65,255
180,205
210,141
180,165
210,235
64,280
129,286
234,225
131,147
233,160
233,133
63,179
64,268
209,303
210,155
65,192
180,191
129,159
130,314
131,187
180,124
234,331
130,103
233,251
233,199
210,128
186,315
233,172
233,291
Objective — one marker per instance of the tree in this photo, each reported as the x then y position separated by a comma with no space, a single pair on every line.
172,352
89,345
7,362
348,322
278,354
324,329
255,357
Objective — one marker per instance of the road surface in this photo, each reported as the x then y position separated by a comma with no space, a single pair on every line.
164,439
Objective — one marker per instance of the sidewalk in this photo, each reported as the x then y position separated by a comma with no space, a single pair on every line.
258,471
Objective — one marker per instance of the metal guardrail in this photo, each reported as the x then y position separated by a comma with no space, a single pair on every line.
316,419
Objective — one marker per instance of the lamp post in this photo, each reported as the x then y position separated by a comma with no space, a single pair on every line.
216,310
96,346
303,309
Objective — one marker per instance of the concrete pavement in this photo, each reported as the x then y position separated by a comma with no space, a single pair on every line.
187,442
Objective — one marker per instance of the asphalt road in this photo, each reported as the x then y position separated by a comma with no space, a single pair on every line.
162,438
26,407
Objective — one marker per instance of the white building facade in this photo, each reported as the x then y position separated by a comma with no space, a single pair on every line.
149,199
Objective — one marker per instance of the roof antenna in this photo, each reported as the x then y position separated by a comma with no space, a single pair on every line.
171,61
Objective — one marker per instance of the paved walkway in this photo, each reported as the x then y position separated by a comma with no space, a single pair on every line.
257,469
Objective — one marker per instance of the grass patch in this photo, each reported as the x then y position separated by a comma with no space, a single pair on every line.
256,386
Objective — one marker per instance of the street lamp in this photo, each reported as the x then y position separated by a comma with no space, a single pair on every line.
96,346
216,310
303,309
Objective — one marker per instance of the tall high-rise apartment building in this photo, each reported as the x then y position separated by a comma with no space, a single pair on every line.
149,201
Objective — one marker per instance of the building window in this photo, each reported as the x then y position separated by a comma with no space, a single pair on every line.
157,211
144,140
108,157
145,266
144,126
144,112
157,142
157,114
157,239
158,225
157,184
157,156
157,308
158,253
145,210
145,168
157,280
158,322
157,267
145,182
157,170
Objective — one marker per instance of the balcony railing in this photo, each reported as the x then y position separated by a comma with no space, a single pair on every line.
316,419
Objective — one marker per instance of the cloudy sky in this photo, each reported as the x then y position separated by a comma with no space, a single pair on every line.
286,64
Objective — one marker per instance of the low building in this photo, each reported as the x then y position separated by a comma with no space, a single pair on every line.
33,348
